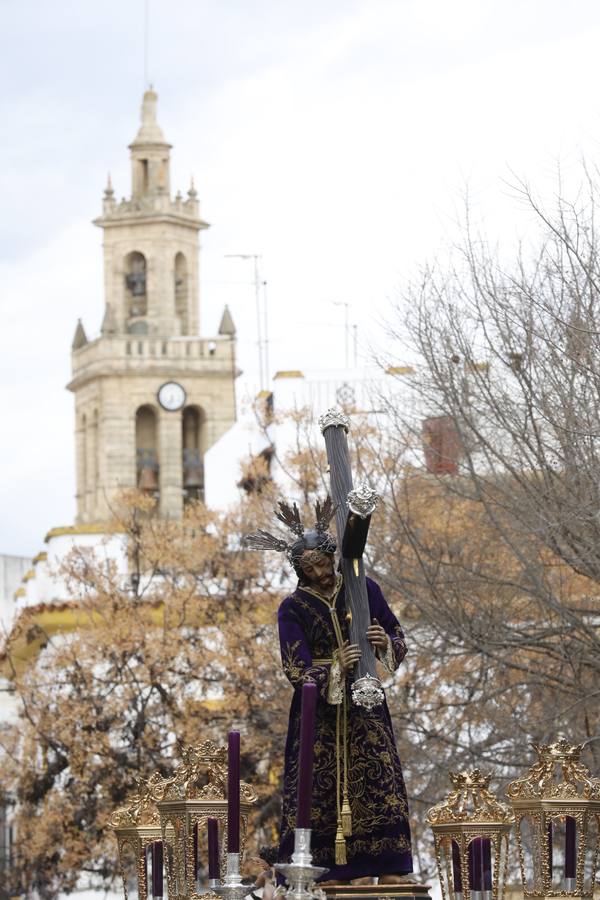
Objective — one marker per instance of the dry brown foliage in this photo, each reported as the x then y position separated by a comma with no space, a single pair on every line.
181,651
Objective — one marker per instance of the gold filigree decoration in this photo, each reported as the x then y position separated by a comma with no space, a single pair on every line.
471,801
141,809
204,760
199,762
560,760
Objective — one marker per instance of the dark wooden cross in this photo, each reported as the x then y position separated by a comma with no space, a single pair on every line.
352,518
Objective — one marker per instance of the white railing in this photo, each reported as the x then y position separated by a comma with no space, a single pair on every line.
144,347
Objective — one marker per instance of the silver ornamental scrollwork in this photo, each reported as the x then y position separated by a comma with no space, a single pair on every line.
333,417
367,692
363,500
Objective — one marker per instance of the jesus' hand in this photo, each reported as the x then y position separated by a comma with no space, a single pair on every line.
348,656
376,636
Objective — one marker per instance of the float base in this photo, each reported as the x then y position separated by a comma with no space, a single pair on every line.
406,891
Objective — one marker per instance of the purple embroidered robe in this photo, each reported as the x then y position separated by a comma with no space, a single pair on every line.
380,840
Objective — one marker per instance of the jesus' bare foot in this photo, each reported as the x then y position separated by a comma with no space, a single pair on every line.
366,879
395,878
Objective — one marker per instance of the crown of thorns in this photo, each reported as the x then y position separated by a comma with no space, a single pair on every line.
290,517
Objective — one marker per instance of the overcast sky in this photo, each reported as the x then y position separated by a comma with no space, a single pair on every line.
333,137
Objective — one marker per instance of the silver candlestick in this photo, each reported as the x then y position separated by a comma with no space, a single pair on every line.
300,874
232,887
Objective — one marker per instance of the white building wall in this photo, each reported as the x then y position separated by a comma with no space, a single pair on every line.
46,584
12,571
359,389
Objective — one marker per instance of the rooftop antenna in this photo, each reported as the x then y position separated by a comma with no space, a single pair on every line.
265,334
261,321
346,330
146,41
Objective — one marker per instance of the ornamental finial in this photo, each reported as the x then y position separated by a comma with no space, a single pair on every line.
334,417
558,773
470,801
108,190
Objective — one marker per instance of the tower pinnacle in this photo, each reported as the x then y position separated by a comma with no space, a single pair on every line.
149,131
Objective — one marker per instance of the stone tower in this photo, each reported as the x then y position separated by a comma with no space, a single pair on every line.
151,396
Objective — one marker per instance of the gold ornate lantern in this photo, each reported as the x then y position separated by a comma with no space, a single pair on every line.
557,813
197,791
471,829
139,839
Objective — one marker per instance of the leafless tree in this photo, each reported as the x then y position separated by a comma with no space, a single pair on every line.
499,563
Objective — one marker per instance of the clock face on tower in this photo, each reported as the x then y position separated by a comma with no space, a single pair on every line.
171,396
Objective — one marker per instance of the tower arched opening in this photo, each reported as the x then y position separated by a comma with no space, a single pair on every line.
146,450
83,474
182,293
193,443
136,292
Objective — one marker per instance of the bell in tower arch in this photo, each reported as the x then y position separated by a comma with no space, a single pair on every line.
193,463
135,284
147,469
147,466
148,479
193,474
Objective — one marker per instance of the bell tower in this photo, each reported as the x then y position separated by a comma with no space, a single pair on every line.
151,395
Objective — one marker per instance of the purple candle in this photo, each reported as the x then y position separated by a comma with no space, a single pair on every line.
307,741
233,792
486,858
475,865
570,847
456,873
157,869
214,869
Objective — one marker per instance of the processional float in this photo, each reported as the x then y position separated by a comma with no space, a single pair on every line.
558,820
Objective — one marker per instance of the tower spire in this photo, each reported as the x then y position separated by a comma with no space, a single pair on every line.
149,153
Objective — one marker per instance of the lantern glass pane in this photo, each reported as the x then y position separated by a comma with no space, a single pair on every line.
499,862
556,834
202,867
129,865
531,859
590,865
479,875
450,869
157,885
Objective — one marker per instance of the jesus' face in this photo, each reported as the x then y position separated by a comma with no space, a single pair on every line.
319,569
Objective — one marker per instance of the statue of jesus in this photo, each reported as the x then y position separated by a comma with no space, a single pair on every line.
359,819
